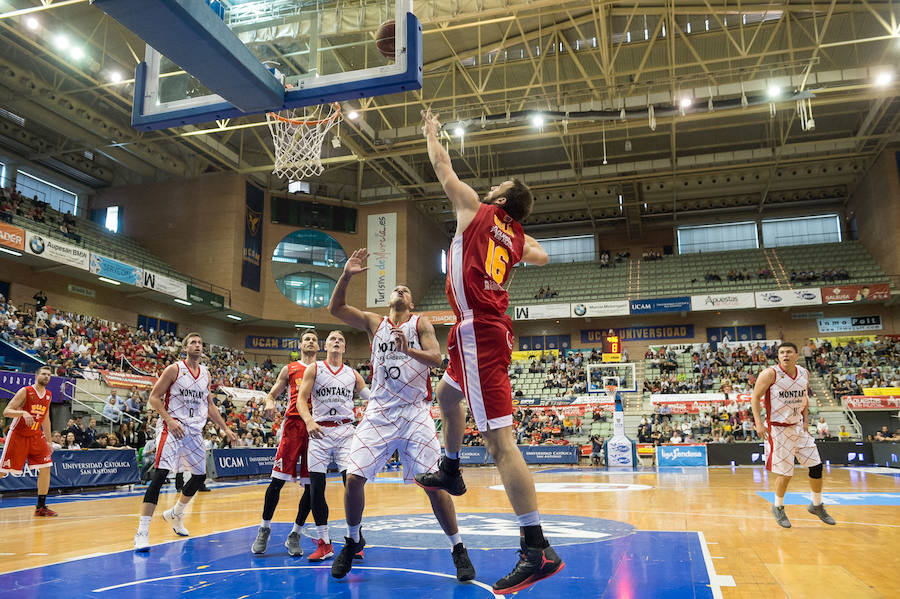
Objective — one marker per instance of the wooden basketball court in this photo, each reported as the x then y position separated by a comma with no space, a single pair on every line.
649,526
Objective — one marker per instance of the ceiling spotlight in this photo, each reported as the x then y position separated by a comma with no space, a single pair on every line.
774,91
115,76
61,42
537,120
459,131
685,102
352,115
884,78
32,23
627,145
76,53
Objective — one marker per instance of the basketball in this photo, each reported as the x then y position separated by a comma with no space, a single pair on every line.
384,39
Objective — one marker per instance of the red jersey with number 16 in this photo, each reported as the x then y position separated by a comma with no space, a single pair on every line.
480,262
295,376
38,407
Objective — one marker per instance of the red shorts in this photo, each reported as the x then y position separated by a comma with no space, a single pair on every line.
480,353
292,449
22,448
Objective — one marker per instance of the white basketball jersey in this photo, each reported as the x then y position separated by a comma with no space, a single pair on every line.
787,397
187,400
397,379
332,393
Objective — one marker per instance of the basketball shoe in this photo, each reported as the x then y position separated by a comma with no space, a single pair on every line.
44,512
343,563
177,522
142,541
448,477
535,563
293,545
262,541
323,552
465,571
817,510
780,516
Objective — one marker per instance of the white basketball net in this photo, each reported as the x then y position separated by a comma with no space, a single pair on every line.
298,135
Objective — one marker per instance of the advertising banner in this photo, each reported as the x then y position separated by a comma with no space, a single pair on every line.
273,343
207,298
57,251
164,284
782,298
126,380
676,397
849,324
878,391
681,331
438,317
533,454
115,270
245,461
600,309
381,278
61,388
660,304
252,252
77,468
541,312
722,301
877,292
871,402
242,396
681,455
12,237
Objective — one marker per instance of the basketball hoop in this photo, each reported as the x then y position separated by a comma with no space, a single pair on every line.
298,135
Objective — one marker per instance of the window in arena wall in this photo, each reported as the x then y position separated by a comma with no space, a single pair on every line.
579,248
804,230
59,199
149,323
307,289
322,260
112,219
717,238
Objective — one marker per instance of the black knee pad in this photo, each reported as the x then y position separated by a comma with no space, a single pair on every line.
151,495
193,485
815,471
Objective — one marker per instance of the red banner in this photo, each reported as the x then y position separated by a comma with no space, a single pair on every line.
877,292
126,380
869,402
12,237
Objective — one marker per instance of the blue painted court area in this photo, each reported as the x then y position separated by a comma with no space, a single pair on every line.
837,498
603,559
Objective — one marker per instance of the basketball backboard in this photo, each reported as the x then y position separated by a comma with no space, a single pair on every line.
209,60
621,374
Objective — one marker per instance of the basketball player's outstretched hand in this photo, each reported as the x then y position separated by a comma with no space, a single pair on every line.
431,125
354,264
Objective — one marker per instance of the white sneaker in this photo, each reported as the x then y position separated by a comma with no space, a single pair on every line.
142,541
177,522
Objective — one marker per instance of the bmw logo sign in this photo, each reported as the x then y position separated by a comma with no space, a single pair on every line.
580,310
36,244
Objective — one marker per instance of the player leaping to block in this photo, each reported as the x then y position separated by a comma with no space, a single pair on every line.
29,436
489,241
784,388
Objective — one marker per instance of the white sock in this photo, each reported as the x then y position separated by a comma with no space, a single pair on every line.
817,498
779,501
178,510
266,524
353,532
529,519
297,528
323,533
144,524
455,539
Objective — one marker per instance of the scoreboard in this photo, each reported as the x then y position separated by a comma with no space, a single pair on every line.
612,348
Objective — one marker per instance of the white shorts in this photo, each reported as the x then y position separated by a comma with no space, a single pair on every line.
181,455
408,430
333,447
787,442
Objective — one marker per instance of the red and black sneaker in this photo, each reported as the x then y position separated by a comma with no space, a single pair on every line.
44,512
534,564
448,478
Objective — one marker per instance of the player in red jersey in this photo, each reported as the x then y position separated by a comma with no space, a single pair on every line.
29,436
489,241
291,449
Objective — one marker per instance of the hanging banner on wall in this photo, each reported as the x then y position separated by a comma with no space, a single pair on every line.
115,270
207,298
61,388
877,292
661,304
57,251
439,316
76,468
541,312
865,402
252,253
722,301
12,237
127,380
600,309
846,324
163,284
381,278
781,298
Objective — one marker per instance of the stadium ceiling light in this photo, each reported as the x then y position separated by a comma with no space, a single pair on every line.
685,102
13,252
110,281
178,300
884,78
115,76
774,91
32,23
849,301
537,120
76,53
233,317
352,115
61,42
459,131
305,326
